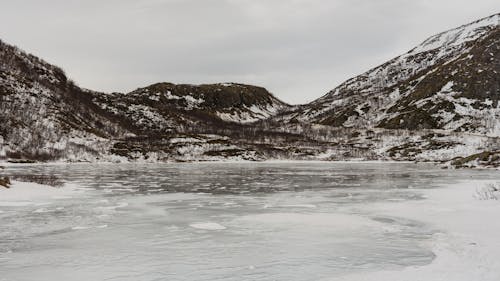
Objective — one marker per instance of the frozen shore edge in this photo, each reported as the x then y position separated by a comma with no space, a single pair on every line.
443,165
466,244
222,161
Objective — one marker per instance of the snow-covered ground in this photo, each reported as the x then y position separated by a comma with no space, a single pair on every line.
34,194
467,247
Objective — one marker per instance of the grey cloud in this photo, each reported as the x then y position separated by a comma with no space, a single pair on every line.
298,49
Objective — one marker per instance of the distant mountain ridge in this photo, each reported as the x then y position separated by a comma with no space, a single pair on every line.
438,102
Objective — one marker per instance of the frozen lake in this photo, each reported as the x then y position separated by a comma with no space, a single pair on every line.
248,221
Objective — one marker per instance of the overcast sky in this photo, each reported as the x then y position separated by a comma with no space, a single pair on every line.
297,49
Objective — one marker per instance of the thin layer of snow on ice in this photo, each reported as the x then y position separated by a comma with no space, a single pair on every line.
340,222
114,207
80,227
208,226
310,206
468,247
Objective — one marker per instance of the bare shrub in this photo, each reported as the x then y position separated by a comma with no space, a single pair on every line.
5,182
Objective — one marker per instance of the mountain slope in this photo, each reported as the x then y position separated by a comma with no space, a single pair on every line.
450,81
43,113
166,107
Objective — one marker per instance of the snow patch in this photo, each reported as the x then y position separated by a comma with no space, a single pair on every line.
27,193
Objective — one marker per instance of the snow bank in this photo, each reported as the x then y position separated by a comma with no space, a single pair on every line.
27,193
467,247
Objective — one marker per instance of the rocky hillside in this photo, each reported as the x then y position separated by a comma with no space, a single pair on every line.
43,113
165,107
451,81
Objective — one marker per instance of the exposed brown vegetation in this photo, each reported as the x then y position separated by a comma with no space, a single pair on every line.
5,182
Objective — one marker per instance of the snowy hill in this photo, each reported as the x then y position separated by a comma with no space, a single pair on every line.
166,107
450,81
43,113
45,116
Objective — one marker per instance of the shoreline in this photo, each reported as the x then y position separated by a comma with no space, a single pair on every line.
437,164
270,161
